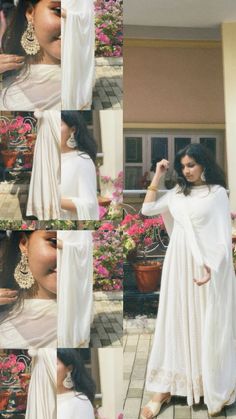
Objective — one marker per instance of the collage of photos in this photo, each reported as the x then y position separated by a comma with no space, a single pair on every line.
117,209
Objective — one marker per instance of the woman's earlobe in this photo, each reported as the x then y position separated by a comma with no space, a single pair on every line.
23,245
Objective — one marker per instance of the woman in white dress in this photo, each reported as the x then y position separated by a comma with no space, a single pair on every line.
194,352
78,172
78,41
34,33
30,268
75,388
75,288
43,200
41,401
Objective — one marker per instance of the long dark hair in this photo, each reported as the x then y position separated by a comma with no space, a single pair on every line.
82,381
7,280
213,173
85,142
11,39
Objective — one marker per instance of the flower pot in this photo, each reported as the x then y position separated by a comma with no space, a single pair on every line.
21,400
148,276
9,158
4,397
28,157
103,201
31,139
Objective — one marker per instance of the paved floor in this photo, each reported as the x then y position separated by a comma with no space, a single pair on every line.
136,354
13,201
108,90
107,327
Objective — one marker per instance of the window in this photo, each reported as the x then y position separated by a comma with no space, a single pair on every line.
144,149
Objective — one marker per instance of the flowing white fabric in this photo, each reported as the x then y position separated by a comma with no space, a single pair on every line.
34,326
43,200
78,46
39,88
194,349
41,401
75,288
73,405
79,183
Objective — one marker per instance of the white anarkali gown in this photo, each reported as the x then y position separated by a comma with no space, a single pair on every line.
39,88
35,326
41,402
43,200
75,288
79,183
78,46
73,405
194,348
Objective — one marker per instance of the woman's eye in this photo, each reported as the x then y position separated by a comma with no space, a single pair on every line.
57,11
53,241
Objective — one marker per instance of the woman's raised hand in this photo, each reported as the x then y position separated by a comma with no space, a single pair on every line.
162,167
206,277
10,62
7,296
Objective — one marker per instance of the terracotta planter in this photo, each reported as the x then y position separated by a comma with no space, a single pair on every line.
4,397
9,158
21,400
31,139
28,157
148,276
103,201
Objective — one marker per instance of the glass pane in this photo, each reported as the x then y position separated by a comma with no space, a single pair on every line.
210,143
133,150
159,149
180,143
133,178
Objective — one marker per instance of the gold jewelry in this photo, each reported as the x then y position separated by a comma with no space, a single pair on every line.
152,188
22,274
29,41
71,142
68,382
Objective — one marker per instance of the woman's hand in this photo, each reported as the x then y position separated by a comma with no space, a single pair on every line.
68,205
7,296
10,62
162,167
206,277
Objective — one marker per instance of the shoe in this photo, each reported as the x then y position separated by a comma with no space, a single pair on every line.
155,407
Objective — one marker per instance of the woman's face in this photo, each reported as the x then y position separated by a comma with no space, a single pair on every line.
66,132
62,370
191,170
46,17
40,248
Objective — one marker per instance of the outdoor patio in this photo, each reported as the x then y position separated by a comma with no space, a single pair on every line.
107,327
13,200
136,353
108,92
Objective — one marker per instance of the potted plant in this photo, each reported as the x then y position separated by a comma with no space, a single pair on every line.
10,372
108,258
142,235
109,30
13,133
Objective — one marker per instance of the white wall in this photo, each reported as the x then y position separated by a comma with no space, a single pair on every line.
229,63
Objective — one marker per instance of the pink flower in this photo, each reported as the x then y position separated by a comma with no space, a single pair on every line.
24,227
107,226
102,212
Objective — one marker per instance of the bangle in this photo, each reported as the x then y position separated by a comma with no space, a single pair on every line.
152,188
